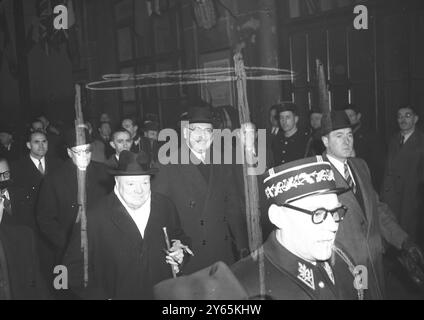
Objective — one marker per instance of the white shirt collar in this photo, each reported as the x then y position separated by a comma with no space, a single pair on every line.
407,136
200,156
340,166
6,194
141,215
36,162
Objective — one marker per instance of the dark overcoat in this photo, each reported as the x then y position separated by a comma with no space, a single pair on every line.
123,264
366,223
210,211
403,181
23,271
57,208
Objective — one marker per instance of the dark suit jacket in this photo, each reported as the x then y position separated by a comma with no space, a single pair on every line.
404,181
210,212
23,271
361,232
122,264
57,207
27,180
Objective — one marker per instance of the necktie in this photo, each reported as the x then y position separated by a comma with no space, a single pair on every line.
348,178
402,140
6,204
40,167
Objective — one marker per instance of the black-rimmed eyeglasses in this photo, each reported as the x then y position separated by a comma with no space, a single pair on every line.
320,215
4,175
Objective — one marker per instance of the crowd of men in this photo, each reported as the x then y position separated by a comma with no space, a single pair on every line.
149,221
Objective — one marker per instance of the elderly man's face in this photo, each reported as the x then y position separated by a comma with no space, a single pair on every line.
407,119
121,141
4,171
134,190
199,136
309,241
81,156
38,146
339,143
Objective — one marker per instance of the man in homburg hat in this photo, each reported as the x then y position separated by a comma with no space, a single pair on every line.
370,221
204,194
127,247
57,207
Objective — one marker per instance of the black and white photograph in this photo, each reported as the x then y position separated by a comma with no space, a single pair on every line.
228,152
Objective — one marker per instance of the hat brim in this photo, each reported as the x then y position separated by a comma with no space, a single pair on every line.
120,173
324,132
336,191
201,121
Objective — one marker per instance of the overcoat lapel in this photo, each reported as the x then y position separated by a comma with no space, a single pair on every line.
123,221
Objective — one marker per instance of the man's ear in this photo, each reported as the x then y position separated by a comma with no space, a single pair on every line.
28,145
296,119
276,216
112,145
69,152
325,141
185,132
416,119
359,116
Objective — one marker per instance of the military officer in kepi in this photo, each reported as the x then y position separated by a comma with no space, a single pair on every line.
300,260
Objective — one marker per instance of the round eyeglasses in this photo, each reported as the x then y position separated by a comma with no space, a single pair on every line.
82,152
200,131
320,215
4,175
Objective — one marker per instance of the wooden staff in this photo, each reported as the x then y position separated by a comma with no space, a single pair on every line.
323,93
250,181
168,247
81,176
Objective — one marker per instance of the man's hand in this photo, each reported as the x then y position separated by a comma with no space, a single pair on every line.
175,255
413,252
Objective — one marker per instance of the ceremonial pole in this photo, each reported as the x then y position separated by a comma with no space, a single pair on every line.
81,176
250,181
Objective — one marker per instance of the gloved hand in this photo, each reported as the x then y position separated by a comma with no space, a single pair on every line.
412,260
413,252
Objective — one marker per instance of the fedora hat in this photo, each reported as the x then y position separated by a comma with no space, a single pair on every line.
334,120
71,138
133,164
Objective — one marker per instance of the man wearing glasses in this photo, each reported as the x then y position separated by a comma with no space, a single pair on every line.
57,207
300,259
370,221
306,211
204,194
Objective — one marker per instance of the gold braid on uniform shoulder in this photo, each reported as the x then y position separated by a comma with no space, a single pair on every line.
352,269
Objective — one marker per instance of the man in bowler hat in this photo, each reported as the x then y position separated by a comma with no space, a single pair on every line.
128,250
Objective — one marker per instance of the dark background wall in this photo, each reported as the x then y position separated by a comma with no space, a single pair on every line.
378,69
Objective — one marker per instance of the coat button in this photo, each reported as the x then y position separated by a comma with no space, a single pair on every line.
192,204
321,285
204,243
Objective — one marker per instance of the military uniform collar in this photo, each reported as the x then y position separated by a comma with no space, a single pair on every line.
313,278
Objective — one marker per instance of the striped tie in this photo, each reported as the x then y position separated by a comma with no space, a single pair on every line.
348,178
